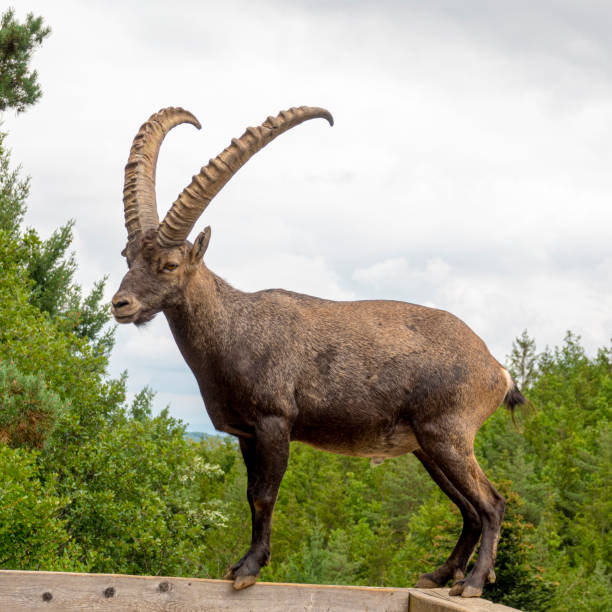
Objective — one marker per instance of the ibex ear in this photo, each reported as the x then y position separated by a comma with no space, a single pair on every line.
200,245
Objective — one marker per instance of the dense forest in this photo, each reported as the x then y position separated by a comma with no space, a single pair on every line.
89,482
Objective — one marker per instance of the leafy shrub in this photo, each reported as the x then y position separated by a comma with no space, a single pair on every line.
32,534
28,409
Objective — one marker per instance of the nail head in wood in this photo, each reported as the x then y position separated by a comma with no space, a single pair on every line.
109,592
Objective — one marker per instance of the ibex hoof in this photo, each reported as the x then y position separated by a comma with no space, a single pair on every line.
242,582
471,591
457,588
426,581
465,590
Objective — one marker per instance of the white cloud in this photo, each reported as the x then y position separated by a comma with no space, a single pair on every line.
309,275
397,271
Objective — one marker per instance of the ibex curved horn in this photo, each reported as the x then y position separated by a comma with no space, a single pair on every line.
139,186
190,204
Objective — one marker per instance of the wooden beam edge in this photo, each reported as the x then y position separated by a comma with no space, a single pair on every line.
30,590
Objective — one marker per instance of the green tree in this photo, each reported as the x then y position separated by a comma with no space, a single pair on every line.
50,266
13,193
523,360
54,291
520,582
134,498
29,409
32,534
319,563
19,86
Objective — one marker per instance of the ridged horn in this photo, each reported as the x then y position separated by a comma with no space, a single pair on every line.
139,186
190,204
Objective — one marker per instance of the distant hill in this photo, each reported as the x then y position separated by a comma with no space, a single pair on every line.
196,436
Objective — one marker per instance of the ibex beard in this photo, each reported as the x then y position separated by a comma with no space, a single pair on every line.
370,378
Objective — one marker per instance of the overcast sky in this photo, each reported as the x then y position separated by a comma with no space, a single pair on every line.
469,167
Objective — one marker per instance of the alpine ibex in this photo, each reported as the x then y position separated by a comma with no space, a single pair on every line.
371,378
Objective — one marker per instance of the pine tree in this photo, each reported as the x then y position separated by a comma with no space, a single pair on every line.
52,268
523,360
19,86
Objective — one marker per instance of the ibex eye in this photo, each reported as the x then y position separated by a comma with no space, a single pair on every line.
170,266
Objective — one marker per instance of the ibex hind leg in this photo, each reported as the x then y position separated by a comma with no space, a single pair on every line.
455,566
453,454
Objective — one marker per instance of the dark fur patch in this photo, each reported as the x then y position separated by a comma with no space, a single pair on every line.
324,360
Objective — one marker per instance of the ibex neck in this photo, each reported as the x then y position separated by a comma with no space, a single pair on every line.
200,323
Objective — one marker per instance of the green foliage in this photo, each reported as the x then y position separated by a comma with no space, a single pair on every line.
134,503
13,193
581,589
50,270
430,536
520,582
140,410
559,466
29,409
32,534
18,85
224,545
53,291
69,365
523,360
318,563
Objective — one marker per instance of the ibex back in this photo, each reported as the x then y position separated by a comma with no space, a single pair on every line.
372,379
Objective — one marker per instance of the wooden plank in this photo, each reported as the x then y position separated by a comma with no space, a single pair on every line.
29,591
35,591
438,600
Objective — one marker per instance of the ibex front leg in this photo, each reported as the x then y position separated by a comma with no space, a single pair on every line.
265,456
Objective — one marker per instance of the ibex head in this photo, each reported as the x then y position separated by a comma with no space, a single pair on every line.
160,259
